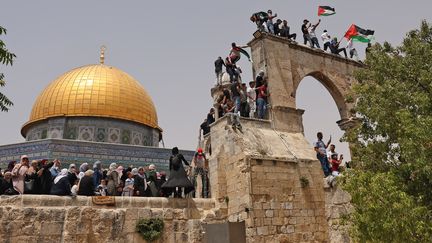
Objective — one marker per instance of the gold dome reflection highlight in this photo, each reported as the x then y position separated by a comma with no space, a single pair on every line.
96,91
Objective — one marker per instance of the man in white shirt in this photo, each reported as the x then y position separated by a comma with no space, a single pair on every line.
251,99
326,38
312,35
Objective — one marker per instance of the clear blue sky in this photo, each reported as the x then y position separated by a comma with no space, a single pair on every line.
170,46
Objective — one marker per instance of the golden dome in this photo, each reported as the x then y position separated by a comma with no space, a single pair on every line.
95,91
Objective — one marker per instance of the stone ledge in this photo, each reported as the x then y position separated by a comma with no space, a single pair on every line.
121,202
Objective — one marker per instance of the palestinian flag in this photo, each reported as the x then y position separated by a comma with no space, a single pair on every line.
325,11
358,34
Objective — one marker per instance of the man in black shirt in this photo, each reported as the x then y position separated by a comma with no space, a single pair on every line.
218,70
205,127
210,116
285,31
276,27
304,28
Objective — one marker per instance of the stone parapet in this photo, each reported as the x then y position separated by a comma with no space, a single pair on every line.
45,218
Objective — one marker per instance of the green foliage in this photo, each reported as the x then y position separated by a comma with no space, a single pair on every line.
6,58
391,179
150,229
304,182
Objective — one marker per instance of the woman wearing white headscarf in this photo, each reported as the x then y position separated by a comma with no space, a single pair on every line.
113,179
61,185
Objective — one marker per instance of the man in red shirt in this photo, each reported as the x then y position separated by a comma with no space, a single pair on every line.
262,100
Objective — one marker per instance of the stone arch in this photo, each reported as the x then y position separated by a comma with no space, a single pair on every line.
286,64
337,93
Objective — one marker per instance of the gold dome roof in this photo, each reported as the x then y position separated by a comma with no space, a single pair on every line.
96,91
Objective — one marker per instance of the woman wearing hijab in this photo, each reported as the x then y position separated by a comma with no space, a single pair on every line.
177,178
18,174
113,179
72,176
45,177
152,178
32,181
61,185
97,176
86,186
84,167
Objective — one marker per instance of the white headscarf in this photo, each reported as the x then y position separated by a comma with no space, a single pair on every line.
80,175
63,173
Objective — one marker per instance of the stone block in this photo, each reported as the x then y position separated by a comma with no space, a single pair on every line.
267,221
262,230
269,213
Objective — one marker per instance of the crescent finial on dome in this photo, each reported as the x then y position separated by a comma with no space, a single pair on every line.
102,54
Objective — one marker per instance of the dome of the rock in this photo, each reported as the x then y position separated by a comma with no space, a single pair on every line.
94,103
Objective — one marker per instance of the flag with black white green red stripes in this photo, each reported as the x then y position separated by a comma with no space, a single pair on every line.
325,11
359,34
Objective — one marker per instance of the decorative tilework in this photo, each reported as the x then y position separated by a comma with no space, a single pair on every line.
136,138
86,133
55,132
113,135
71,133
101,135
126,136
44,134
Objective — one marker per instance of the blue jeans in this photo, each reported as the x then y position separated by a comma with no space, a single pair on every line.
324,164
270,26
261,108
236,104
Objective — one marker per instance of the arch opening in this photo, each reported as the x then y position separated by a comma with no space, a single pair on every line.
324,106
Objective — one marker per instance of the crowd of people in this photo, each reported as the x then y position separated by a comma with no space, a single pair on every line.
265,23
43,177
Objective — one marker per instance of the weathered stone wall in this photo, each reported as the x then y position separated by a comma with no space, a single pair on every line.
259,169
337,205
44,218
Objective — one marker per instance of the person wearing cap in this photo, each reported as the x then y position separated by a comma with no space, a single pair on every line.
200,168
326,38
18,174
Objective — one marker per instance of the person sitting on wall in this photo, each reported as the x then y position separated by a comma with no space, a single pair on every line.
335,163
178,179
285,31
334,47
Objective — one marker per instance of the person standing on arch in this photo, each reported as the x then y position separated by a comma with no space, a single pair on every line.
178,178
321,152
